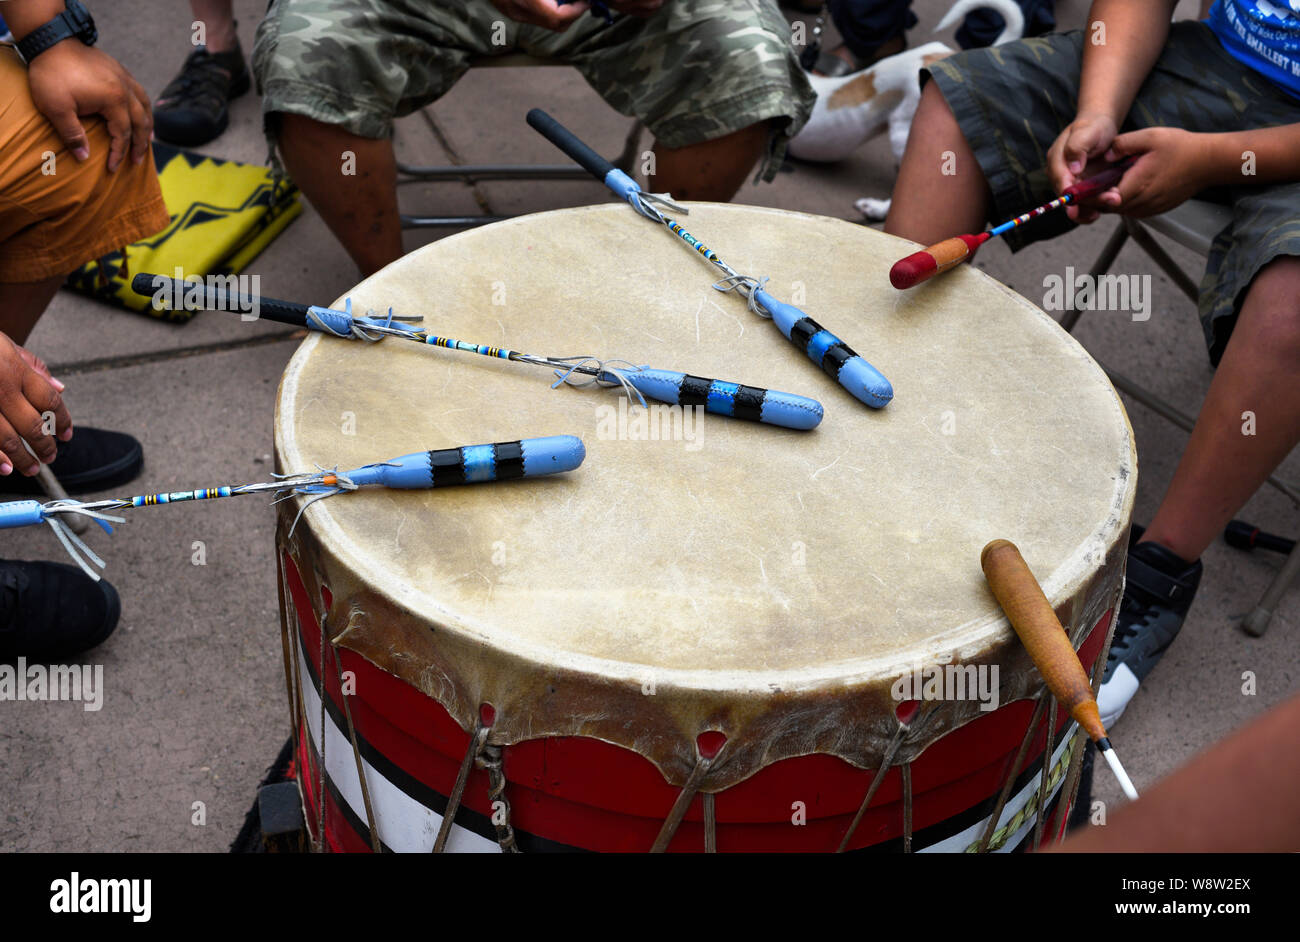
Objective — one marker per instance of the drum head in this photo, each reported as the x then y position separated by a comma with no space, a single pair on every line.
733,566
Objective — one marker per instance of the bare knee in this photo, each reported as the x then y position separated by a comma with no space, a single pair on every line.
1271,310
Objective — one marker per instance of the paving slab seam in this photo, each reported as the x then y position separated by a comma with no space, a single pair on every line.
78,367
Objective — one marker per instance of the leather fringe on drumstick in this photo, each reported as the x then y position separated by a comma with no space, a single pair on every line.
716,396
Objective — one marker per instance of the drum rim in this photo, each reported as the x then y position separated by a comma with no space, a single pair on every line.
970,639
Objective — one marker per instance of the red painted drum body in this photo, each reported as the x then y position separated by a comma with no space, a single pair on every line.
715,634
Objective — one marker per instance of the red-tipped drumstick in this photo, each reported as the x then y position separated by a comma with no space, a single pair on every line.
949,253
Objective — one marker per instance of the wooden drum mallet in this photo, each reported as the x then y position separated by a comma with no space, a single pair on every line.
1033,619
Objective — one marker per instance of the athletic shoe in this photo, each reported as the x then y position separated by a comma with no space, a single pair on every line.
50,611
194,107
94,460
1158,593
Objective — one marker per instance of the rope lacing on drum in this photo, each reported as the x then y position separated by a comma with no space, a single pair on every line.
1000,836
876,780
484,755
489,759
748,286
607,374
683,803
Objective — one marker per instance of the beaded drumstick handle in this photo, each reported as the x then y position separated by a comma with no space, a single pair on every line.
833,355
470,464
1033,619
940,257
717,396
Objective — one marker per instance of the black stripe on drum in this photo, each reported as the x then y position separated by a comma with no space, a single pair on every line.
447,466
509,460
748,403
415,789
354,821
836,357
803,331
694,391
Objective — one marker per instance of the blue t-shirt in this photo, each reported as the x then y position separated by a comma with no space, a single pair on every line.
1263,34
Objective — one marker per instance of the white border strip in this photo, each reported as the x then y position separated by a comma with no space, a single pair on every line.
960,841
404,824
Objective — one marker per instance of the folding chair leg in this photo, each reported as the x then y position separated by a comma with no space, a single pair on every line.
1153,248
1099,268
1256,622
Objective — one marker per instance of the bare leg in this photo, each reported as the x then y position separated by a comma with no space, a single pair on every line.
360,208
929,205
712,170
218,18
22,303
1259,374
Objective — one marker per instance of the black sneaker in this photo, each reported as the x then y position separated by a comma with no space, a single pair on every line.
50,611
193,108
94,460
1157,595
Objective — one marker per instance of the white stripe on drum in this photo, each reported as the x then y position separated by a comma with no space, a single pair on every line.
404,824
959,842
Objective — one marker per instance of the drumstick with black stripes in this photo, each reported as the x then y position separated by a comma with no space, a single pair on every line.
942,256
717,396
469,464
866,383
1034,621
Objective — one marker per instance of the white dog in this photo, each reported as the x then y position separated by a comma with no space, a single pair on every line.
854,108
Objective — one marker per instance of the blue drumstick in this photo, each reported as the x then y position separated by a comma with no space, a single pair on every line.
835,357
723,398
471,464
717,396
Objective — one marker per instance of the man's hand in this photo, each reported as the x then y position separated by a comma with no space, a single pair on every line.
1173,166
545,13
70,81
28,400
1087,136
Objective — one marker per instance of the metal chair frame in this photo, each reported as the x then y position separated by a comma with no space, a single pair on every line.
1191,225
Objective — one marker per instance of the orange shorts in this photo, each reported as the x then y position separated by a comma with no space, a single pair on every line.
57,213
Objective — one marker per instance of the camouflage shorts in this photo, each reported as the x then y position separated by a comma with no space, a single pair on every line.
1012,102
696,70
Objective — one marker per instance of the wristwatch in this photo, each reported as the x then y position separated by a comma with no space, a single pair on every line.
73,21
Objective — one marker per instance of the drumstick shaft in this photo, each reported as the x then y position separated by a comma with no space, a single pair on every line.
468,464
834,356
1038,628
720,397
942,256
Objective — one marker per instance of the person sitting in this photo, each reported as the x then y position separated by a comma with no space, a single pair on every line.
718,85
1202,106
79,182
194,107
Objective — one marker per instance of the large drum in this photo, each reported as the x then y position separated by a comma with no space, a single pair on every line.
715,634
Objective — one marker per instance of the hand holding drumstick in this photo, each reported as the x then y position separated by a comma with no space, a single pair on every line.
1033,619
